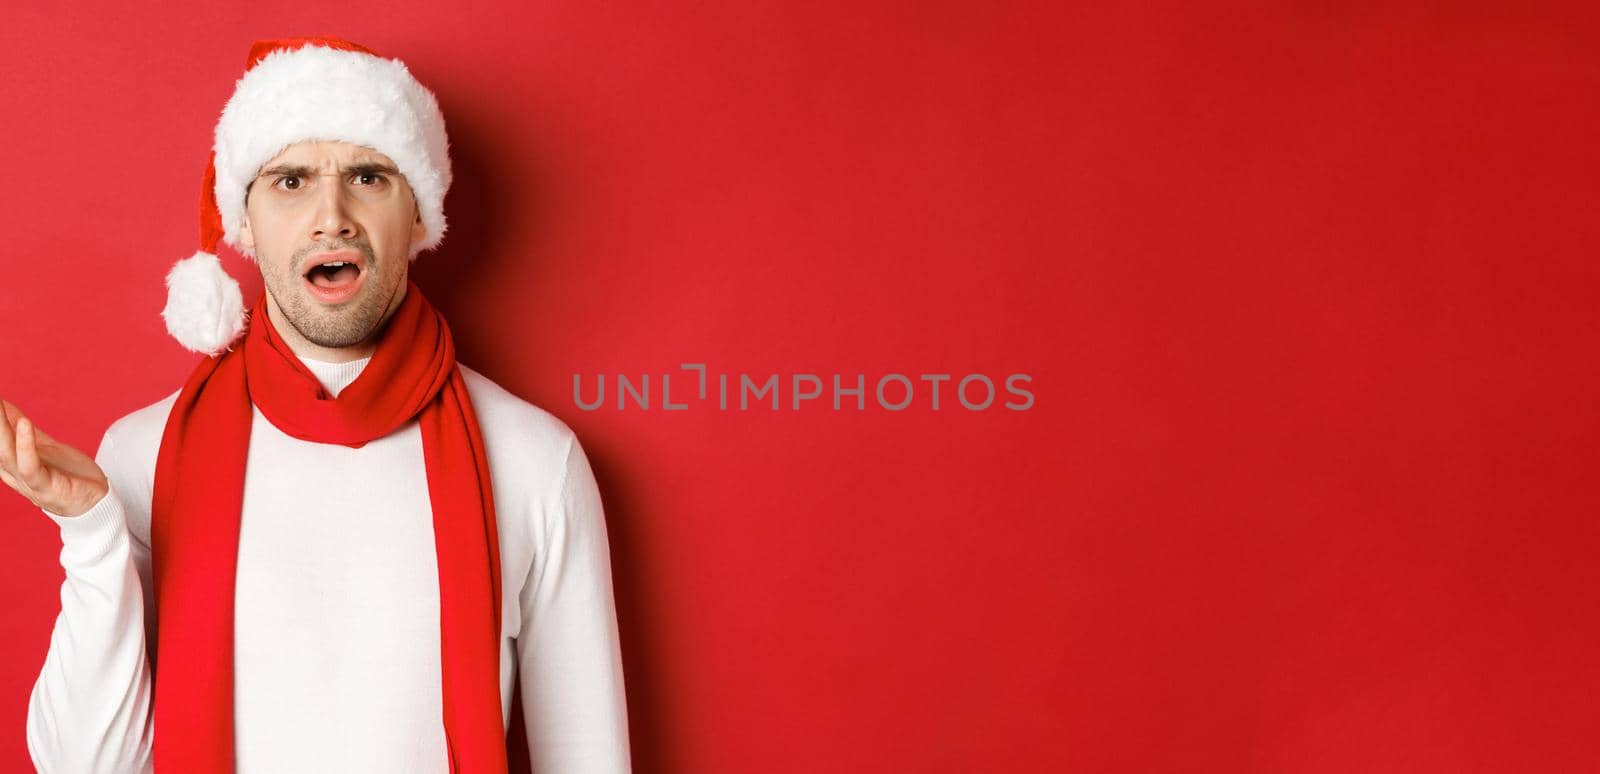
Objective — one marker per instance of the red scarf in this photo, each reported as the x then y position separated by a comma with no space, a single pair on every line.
199,484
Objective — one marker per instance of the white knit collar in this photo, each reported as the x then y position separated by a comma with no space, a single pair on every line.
335,376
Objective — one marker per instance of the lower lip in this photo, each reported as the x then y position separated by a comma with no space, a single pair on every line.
336,295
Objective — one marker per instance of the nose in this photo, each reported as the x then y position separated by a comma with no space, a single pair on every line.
332,217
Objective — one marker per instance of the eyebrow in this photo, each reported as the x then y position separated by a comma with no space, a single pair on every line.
306,170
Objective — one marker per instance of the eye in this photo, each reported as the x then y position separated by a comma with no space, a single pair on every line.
294,178
376,177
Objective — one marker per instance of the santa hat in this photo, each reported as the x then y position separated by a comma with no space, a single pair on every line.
295,89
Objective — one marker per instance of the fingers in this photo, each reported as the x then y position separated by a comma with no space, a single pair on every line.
20,466
40,437
28,468
10,415
7,440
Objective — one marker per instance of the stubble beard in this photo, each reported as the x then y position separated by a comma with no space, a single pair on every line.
346,325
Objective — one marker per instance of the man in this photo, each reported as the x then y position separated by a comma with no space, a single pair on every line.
334,548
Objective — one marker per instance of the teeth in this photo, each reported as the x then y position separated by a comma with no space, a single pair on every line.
334,265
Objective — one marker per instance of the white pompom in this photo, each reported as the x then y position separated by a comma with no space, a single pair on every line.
205,309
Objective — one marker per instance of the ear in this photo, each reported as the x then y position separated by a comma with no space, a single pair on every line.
418,231
245,237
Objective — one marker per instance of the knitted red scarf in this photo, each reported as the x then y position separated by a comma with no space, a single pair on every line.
195,512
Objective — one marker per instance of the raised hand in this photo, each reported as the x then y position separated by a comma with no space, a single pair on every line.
51,474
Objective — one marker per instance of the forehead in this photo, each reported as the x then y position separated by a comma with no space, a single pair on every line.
321,152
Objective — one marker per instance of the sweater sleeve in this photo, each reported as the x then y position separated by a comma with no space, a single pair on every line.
569,660
90,710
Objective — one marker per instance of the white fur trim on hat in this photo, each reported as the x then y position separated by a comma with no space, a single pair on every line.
321,93
205,309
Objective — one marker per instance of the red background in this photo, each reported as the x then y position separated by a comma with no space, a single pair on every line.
1307,292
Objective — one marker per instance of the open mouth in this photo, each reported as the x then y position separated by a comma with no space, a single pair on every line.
335,277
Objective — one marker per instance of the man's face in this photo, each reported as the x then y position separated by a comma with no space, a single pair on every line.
319,203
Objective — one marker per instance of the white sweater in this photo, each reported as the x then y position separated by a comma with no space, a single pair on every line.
336,627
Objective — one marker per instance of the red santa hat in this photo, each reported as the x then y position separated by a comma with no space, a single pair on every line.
295,89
